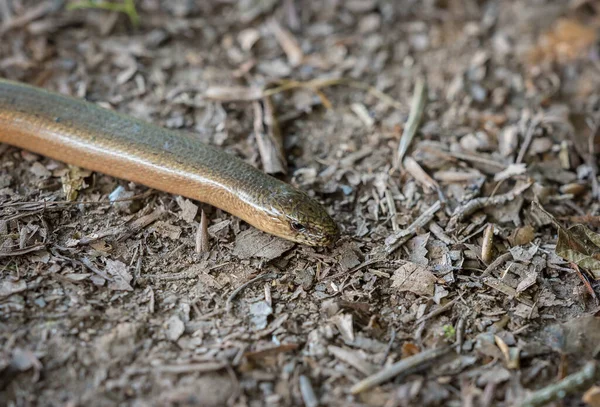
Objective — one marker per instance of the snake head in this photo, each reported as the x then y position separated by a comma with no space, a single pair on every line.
301,219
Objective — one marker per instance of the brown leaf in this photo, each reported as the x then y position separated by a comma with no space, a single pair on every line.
578,244
581,246
414,278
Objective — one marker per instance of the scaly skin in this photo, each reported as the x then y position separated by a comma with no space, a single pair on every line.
86,135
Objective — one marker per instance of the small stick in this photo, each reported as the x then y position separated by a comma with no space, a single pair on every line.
497,167
268,137
483,202
437,311
426,217
266,276
405,366
417,107
493,265
308,394
528,138
179,369
413,168
202,238
52,204
570,384
488,244
460,333
183,274
287,42
25,250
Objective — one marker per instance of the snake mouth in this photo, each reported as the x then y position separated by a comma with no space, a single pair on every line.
323,238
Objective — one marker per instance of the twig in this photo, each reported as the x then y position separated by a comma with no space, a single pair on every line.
178,369
352,359
268,137
591,158
236,385
437,311
495,166
405,366
88,263
388,348
55,204
528,138
287,42
202,237
122,231
308,394
34,13
493,265
479,203
488,243
266,276
460,333
417,106
184,274
25,250
392,241
319,83
418,173
570,384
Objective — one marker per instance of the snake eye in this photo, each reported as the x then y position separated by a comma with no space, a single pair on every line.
298,227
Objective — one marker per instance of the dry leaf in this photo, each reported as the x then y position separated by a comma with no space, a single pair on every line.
414,278
74,181
254,243
121,277
581,246
578,244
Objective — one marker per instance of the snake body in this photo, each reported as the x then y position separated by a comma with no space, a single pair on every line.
81,133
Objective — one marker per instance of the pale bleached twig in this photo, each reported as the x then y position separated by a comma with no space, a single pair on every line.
268,137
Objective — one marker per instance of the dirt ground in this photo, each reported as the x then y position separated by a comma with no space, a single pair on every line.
447,262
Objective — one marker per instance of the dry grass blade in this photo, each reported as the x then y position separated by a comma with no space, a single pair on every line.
417,107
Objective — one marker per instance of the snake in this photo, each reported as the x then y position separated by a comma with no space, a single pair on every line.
86,135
